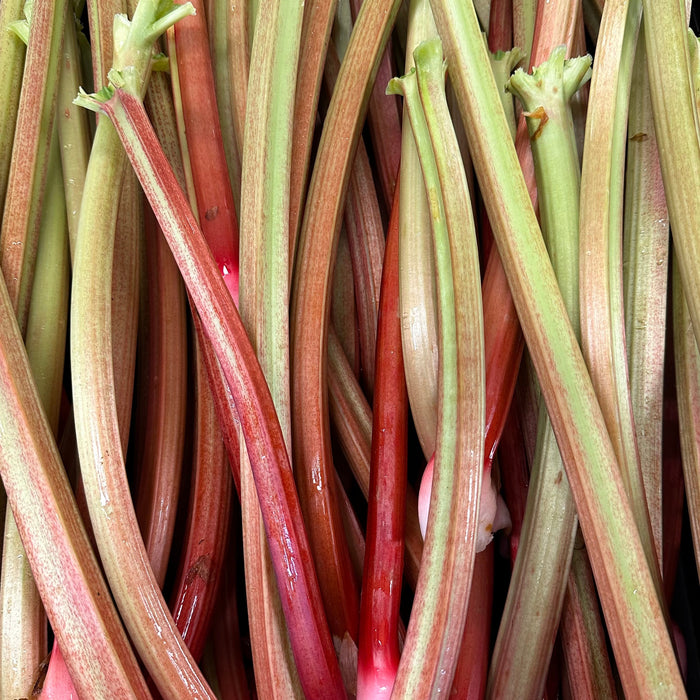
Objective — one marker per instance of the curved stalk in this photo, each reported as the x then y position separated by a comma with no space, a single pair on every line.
99,438
439,610
416,265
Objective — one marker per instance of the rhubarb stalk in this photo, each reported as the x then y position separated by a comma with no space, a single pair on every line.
439,610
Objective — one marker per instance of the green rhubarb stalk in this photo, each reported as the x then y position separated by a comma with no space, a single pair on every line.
73,129
123,555
646,252
435,629
30,152
417,293
602,195
502,64
637,628
675,123
535,596
264,305
524,13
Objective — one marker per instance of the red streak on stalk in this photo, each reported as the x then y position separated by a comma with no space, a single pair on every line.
381,586
209,170
289,548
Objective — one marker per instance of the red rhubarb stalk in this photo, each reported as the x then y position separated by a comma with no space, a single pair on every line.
212,186
381,586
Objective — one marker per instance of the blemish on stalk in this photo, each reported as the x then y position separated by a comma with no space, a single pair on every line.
639,137
558,478
212,213
540,114
200,569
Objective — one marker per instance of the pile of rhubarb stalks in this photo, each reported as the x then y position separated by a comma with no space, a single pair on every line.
349,349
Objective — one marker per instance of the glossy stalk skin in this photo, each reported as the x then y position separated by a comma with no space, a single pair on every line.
378,653
309,315
645,658
301,600
264,305
439,610
162,111
352,417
